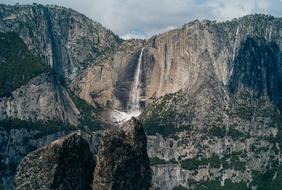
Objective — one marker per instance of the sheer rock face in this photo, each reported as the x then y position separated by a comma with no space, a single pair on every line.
42,99
108,81
63,38
122,161
66,163
176,60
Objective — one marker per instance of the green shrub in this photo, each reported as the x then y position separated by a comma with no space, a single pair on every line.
45,128
245,111
265,181
229,185
233,161
215,185
156,161
164,130
218,131
214,161
180,187
193,164
234,133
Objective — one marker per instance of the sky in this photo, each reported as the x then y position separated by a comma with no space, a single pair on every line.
144,18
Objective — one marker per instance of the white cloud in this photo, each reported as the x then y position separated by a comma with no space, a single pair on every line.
143,18
225,10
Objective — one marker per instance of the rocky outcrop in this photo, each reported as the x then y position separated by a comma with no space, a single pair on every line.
63,38
122,161
42,99
115,160
66,163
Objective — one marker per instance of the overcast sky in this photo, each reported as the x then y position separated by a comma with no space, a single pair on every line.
143,18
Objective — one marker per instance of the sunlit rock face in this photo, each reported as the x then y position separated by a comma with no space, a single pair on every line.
174,60
108,81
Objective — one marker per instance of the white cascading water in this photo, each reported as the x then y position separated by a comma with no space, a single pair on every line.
133,108
135,92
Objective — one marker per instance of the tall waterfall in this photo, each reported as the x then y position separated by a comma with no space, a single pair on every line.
135,92
133,107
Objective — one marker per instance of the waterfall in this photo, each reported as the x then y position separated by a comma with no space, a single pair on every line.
133,106
135,92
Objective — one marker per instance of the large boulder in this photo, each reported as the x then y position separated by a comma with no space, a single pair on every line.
122,160
67,163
